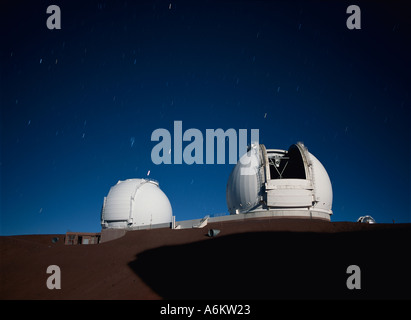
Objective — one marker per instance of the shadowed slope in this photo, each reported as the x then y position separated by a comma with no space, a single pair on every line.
281,265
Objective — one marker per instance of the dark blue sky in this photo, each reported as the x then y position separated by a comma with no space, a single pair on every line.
78,105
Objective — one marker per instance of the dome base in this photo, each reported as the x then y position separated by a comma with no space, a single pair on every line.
129,227
288,213
260,214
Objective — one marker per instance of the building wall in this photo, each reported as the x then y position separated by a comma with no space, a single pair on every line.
74,238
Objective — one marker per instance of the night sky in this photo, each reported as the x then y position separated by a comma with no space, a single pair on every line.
79,104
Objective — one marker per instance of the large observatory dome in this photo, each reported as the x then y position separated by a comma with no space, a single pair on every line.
280,182
135,203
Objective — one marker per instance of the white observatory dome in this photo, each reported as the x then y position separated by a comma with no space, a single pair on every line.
135,203
280,182
366,219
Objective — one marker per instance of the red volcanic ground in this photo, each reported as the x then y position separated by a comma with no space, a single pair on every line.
250,259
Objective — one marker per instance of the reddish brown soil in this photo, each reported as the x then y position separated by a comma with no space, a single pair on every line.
266,258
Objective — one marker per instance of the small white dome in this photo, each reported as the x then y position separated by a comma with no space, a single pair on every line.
135,203
273,179
366,219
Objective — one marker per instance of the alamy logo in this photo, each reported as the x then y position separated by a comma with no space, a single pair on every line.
354,280
354,20
193,153
54,281
53,21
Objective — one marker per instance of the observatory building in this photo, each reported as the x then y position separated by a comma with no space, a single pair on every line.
136,204
273,182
